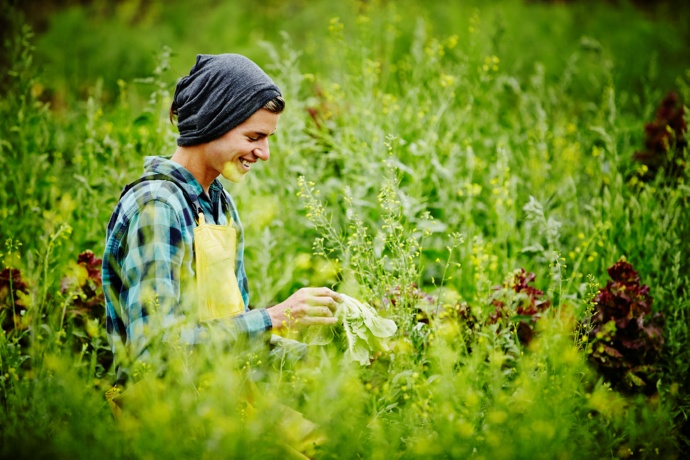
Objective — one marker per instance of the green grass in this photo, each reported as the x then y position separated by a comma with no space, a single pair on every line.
440,147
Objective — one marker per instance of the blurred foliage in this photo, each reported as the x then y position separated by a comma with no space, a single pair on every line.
83,42
665,142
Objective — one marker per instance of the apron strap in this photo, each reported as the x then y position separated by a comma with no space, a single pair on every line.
192,204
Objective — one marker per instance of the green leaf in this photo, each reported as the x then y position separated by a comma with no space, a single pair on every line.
365,330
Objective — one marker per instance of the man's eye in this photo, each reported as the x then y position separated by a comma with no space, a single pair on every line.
253,139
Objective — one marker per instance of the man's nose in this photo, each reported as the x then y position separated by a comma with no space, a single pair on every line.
262,151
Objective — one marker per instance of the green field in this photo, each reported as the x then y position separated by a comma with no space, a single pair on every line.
473,170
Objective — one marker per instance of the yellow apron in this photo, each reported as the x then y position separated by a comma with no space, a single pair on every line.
217,292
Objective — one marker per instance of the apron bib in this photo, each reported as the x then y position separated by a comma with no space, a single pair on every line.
217,291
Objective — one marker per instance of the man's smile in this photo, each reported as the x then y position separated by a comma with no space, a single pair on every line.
246,163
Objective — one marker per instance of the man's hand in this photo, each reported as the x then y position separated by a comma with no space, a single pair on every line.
306,307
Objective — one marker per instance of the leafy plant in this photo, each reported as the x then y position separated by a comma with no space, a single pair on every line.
626,337
13,293
513,305
426,305
364,332
84,287
665,142
84,309
519,303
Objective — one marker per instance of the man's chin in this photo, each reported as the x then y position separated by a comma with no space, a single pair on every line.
233,175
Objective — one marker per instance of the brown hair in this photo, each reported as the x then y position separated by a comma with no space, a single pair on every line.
275,105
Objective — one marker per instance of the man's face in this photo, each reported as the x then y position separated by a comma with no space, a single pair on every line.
233,154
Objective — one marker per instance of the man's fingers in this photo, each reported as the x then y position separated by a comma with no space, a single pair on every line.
323,301
328,302
335,296
325,292
319,311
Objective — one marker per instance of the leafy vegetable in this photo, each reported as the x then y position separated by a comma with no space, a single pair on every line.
13,291
364,330
520,303
515,304
665,140
627,335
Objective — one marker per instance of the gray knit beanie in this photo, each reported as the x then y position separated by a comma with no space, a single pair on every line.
220,92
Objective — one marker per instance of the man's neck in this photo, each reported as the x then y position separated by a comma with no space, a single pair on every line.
190,158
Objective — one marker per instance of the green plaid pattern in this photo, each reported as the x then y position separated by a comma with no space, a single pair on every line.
149,256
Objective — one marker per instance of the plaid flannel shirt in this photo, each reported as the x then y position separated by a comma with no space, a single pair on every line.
149,250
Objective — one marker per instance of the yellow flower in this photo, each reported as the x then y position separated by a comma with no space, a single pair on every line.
447,80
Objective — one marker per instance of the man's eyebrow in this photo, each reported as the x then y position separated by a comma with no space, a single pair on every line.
261,133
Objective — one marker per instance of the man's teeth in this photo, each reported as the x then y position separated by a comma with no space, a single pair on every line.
245,163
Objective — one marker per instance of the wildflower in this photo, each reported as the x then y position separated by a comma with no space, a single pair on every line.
334,25
447,80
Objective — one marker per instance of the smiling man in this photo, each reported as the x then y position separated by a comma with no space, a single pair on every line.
173,267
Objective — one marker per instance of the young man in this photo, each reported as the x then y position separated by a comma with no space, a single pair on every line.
173,266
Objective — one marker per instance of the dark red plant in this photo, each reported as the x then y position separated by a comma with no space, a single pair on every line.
85,287
86,309
665,140
514,302
525,308
12,305
424,303
626,338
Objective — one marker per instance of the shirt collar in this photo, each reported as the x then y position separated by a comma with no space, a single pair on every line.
185,179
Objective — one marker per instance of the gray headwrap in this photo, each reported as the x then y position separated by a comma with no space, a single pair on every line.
220,92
